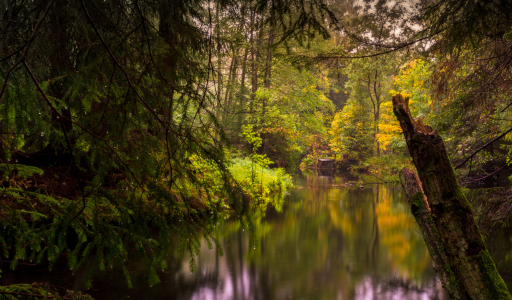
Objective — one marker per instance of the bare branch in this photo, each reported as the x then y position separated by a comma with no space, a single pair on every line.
483,147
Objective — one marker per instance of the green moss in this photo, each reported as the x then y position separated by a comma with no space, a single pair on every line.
451,276
491,277
416,203
417,199
460,199
452,279
452,285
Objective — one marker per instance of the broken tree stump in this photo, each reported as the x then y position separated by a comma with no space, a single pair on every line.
469,266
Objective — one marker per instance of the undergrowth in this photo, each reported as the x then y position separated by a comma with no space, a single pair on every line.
259,180
382,169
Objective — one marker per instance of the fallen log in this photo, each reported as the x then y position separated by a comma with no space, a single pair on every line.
467,266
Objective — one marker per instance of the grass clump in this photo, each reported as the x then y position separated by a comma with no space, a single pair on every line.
260,181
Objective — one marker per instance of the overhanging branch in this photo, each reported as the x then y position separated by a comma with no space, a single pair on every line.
483,147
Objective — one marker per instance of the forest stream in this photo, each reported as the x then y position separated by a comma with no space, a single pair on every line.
323,241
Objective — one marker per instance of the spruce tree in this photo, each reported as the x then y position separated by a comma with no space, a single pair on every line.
109,138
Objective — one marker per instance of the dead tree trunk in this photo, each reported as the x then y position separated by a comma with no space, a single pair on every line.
422,213
469,266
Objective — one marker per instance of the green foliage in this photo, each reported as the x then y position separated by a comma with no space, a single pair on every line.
413,82
366,126
442,93
384,168
350,137
252,138
18,171
120,96
255,141
131,98
467,23
260,181
36,227
308,162
292,116
38,291
126,109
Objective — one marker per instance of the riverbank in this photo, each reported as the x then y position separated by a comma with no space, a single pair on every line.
42,222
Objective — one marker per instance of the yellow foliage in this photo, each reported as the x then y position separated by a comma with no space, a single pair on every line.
389,128
411,83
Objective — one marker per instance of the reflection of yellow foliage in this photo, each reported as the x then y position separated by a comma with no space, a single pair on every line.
340,221
397,234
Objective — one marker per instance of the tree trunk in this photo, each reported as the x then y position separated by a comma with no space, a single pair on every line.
421,212
228,98
376,107
219,72
268,64
469,266
241,98
60,64
254,66
166,28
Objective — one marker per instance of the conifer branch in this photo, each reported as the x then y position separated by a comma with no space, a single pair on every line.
126,75
70,149
26,47
28,294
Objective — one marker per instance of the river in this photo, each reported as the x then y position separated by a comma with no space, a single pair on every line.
325,240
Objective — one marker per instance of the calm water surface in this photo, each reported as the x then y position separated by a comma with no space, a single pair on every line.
323,241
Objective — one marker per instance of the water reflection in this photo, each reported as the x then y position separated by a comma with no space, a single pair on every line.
324,241
499,244
329,242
